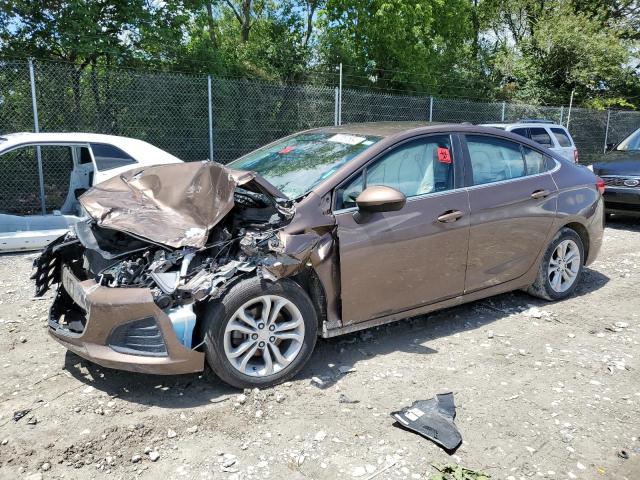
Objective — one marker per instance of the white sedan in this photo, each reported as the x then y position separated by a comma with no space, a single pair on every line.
93,158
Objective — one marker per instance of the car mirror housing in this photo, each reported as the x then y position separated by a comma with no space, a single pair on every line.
380,198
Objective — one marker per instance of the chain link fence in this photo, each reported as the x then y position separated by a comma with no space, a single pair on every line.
172,111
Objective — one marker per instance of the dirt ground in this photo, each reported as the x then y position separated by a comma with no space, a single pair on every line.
546,390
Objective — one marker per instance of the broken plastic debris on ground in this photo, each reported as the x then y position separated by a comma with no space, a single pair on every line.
433,419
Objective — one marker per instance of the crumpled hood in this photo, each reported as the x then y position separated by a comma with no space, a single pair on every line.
175,205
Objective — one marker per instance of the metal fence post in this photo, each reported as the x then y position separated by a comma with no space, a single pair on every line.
210,117
570,106
336,94
36,128
431,108
606,132
561,113
504,107
340,98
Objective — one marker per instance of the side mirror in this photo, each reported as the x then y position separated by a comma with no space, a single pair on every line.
610,146
380,198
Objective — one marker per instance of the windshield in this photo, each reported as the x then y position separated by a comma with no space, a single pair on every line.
632,142
296,164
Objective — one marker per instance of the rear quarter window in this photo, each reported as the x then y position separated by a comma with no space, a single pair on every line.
108,157
562,137
521,131
540,135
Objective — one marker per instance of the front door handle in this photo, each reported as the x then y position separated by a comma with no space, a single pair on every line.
540,194
450,216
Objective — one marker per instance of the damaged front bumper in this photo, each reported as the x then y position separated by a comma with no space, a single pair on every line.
118,328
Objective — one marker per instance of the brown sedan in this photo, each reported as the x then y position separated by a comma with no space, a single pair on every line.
321,233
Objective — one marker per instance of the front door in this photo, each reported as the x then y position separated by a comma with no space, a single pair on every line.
513,205
396,261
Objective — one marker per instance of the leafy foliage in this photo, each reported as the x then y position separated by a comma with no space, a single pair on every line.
537,51
457,472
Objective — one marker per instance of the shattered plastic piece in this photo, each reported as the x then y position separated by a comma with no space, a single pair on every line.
18,414
432,419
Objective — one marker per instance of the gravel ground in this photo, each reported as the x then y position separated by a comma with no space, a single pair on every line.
545,390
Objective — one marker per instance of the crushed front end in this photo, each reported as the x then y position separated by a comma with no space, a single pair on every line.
133,301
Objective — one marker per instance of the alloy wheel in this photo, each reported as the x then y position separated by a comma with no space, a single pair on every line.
564,266
264,336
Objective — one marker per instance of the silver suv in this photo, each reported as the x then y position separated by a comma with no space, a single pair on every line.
547,133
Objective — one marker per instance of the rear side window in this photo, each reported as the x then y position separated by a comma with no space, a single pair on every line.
521,131
415,168
108,157
562,137
535,161
541,136
494,159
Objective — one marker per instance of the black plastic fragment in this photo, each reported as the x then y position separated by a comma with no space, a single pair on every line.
432,419
18,414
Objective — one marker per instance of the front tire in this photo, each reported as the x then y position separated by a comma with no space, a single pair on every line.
260,333
561,267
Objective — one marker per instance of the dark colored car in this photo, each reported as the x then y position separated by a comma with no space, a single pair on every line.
620,170
321,233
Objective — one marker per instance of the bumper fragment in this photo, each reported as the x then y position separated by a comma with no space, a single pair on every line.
105,312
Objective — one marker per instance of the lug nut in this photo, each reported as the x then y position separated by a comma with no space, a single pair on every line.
272,328
254,336
261,344
261,326
272,339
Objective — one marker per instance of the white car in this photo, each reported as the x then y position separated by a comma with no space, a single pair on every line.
547,133
90,159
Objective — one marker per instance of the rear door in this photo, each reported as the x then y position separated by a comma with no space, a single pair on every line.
566,147
396,261
513,202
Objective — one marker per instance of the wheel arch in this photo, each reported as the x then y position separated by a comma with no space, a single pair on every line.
310,282
583,233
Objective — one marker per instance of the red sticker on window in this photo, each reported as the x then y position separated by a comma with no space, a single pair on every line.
443,155
287,149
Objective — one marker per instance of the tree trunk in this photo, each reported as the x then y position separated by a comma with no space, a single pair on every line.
212,24
245,26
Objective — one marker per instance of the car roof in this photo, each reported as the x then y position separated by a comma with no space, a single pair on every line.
143,152
523,125
64,137
377,129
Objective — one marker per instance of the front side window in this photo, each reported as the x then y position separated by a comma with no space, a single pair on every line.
296,164
108,157
562,137
19,187
494,159
415,168
541,136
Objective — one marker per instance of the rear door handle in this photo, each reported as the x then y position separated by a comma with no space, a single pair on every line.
450,216
540,194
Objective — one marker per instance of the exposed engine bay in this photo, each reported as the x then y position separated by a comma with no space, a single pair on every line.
248,240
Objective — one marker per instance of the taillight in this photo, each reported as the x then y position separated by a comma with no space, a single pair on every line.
575,155
600,185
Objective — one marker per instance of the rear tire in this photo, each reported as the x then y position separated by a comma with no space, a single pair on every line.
561,267
260,333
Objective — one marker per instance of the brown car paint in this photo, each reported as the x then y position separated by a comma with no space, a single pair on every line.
394,264
107,308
